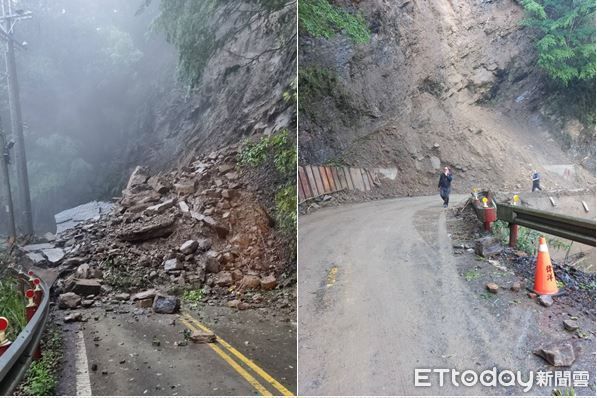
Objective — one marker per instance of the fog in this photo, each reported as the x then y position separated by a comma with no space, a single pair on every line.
87,76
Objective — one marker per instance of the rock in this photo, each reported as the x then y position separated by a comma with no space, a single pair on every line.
85,271
163,304
201,337
50,237
516,286
220,229
487,246
243,306
144,303
225,168
492,287
203,245
545,300
233,303
148,231
37,247
69,300
189,247
87,303
435,162
570,325
139,176
184,207
54,255
269,282
147,294
557,354
172,265
249,282
160,208
122,296
85,287
36,258
185,188
73,261
232,176
224,278
74,317
532,295
212,264
159,184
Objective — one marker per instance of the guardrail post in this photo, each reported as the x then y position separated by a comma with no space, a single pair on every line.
37,291
30,310
513,235
4,342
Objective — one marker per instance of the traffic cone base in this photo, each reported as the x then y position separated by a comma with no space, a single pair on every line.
545,278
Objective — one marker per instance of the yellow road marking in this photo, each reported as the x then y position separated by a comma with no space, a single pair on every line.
243,358
252,381
332,276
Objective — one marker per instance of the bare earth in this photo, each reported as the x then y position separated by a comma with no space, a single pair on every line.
380,295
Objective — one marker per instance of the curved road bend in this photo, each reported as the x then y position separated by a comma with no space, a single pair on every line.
379,295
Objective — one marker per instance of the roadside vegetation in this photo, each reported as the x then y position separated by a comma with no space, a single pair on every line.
564,36
12,305
319,18
527,238
42,376
279,149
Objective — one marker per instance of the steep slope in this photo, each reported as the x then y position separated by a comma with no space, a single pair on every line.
439,82
240,92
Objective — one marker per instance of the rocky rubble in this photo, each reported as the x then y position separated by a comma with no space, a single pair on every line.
194,227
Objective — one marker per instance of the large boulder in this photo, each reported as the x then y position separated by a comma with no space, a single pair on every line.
69,300
87,287
163,304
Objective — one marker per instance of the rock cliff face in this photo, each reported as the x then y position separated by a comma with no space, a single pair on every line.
240,93
440,82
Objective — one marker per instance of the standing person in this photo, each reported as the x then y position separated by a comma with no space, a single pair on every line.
444,185
536,181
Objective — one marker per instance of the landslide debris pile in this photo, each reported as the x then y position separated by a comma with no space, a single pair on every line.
195,227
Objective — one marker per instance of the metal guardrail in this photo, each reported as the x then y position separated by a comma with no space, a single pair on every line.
577,229
16,360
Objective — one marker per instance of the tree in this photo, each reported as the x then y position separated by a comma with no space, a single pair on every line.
566,37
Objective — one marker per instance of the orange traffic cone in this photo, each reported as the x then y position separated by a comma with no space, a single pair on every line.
545,279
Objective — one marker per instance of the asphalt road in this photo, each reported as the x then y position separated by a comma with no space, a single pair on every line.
380,295
114,353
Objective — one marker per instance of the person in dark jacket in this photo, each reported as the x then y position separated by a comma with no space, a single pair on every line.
444,185
536,181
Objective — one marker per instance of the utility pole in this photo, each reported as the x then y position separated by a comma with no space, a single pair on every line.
4,160
9,18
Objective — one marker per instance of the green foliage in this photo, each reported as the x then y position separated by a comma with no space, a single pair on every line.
315,84
193,296
188,26
278,146
567,392
528,239
12,306
286,208
566,37
281,150
193,27
42,376
291,95
319,18
471,275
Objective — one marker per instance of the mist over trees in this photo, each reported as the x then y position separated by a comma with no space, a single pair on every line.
87,71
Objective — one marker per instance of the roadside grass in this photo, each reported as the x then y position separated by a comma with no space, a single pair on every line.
12,306
528,239
471,275
42,376
193,297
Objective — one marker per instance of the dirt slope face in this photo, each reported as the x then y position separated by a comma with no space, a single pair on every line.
440,82
240,92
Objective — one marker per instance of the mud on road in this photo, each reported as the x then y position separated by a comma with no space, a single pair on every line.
382,293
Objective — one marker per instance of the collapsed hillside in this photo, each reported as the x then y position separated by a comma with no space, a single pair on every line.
197,228
437,83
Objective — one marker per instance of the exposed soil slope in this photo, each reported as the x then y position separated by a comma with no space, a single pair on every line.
440,82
